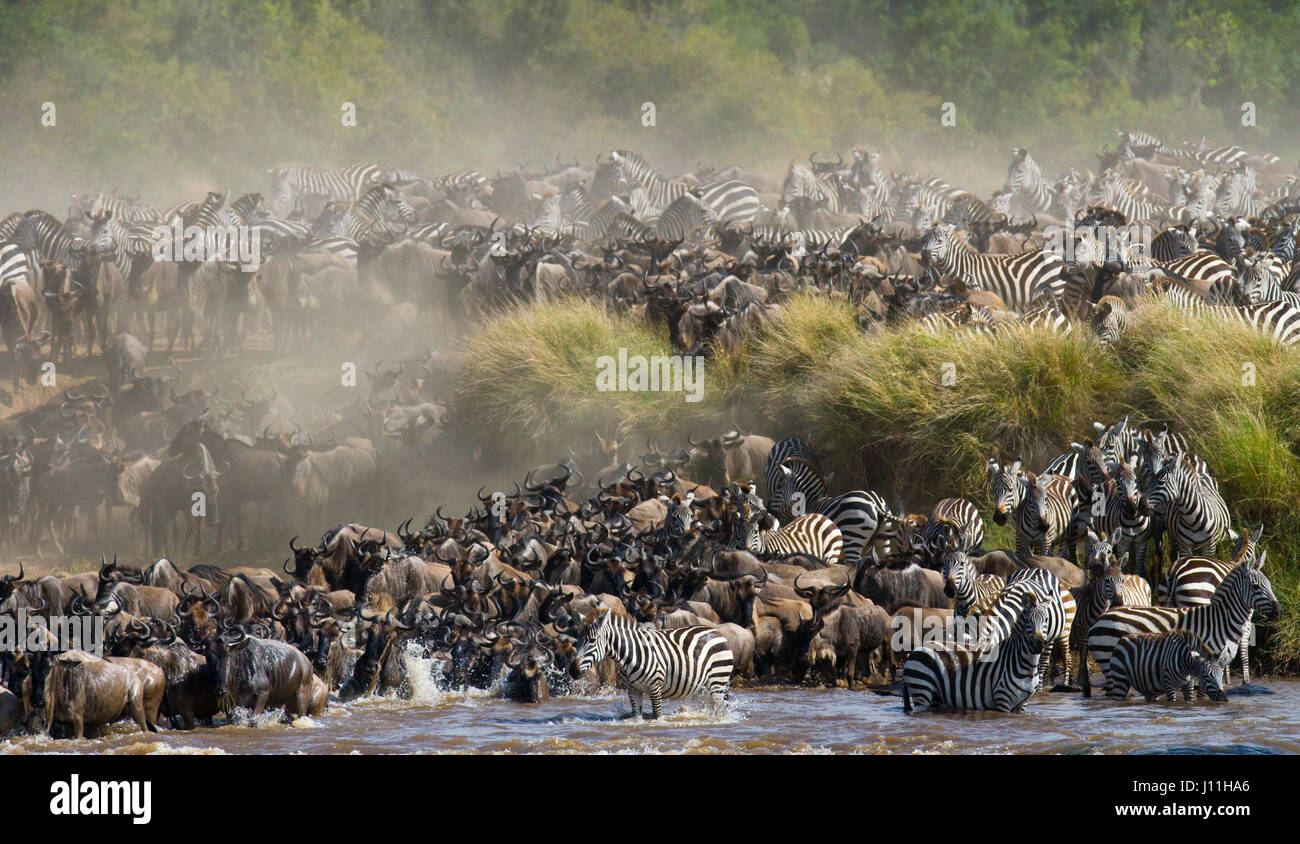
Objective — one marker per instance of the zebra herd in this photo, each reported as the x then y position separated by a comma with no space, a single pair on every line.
1207,603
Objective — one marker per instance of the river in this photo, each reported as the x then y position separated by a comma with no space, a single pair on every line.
758,720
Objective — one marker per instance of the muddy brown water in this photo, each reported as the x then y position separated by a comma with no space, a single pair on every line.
757,720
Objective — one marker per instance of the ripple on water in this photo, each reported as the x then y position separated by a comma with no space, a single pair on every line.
756,720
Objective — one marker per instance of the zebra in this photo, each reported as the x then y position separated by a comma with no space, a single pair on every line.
1004,489
291,182
1030,191
999,677
972,593
670,664
862,516
730,201
961,518
1192,582
381,206
1278,320
1219,623
1162,663
1258,283
1189,506
1050,592
684,215
1046,516
1019,280
812,534
1141,144
1174,242
1120,511
1116,193
802,183
677,521
1101,592
44,237
14,263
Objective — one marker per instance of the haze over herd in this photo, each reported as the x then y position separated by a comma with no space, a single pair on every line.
197,390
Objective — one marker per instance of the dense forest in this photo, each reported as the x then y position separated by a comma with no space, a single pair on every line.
145,90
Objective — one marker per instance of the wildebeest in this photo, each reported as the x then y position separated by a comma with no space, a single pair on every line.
88,692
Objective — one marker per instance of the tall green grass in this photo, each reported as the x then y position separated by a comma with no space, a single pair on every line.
916,414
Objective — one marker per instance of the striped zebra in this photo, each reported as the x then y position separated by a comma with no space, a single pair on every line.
14,263
957,520
1045,518
1187,504
1100,593
821,190
1141,144
45,238
1004,489
1114,192
1119,510
812,534
1031,194
862,516
664,664
1174,242
1192,582
1049,592
998,677
774,471
730,201
1277,319
292,182
1220,622
1206,273
972,593
1158,664
1259,283
1238,194
1019,280
684,215
677,522
379,206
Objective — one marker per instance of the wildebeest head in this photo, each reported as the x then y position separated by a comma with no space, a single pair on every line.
216,650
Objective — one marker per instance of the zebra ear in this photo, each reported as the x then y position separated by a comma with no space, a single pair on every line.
1015,468
1092,535
993,467
1123,558
1259,560
1257,533
1100,428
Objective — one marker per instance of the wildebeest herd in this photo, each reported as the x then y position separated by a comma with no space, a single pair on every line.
575,580
669,587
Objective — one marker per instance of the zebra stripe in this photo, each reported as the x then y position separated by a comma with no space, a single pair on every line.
862,516
290,182
670,664
972,593
999,677
956,518
1158,664
1219,623
1046,515
812,534
14,263
730,201
1019,280
1192,582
